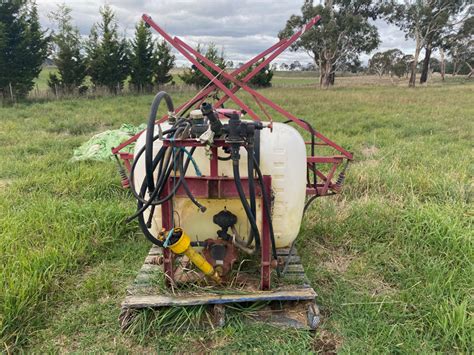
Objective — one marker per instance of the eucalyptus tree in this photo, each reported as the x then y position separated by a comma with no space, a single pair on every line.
461,47
390,61
344,32
426,22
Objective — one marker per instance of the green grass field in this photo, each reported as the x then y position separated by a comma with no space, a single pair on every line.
391,257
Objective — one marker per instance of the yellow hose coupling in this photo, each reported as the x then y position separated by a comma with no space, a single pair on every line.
183,246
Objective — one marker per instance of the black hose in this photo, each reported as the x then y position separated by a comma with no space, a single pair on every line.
251,182
161,184
309,202
151,201
267,207
141,219
227,158
142,224
243,199
137,158
313,142
185,184
157,160
150,133
161,179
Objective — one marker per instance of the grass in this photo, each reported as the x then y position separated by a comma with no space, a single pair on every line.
391,258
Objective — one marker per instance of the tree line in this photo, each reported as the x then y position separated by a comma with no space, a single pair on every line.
107,58
347,29
394,62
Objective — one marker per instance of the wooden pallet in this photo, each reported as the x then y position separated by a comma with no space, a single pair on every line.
288,305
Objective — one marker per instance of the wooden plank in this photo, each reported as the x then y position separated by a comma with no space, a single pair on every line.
285,251
155,250
301,315
149,279
295,268
146,292
189,300
294,259
151,268
152,259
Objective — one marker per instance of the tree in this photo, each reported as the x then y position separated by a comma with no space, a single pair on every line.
23,47
461,47
193,76
107,54
407,61
296,65
441,26
163,63
262,79
390,62
344,32
424,21
141,59
435,65
67,53
401,65
378,63
354,66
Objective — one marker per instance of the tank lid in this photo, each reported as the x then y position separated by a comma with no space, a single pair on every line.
196,114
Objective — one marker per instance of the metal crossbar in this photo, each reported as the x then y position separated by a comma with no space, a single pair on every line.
220,81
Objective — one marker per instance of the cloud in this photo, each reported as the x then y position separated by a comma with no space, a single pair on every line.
243,28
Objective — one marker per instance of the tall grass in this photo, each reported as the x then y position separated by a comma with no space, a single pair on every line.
391,258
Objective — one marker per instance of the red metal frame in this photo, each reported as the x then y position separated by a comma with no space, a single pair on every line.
167,221
328,186
221,187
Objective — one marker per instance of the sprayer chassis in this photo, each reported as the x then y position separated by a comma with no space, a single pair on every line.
321,181
291,305
286,306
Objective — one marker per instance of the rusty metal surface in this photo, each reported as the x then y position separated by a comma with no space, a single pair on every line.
231,255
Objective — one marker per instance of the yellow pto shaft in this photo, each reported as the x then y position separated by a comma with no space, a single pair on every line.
183,246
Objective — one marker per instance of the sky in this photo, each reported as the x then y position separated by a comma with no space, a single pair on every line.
243,28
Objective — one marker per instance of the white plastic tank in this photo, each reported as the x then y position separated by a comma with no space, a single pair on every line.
282,156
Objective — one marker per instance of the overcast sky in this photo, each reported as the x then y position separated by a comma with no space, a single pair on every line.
243,28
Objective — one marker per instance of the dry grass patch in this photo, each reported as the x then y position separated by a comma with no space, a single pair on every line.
326,342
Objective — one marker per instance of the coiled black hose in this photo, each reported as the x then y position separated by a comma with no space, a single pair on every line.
141,219
167,160
150,130
159,187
